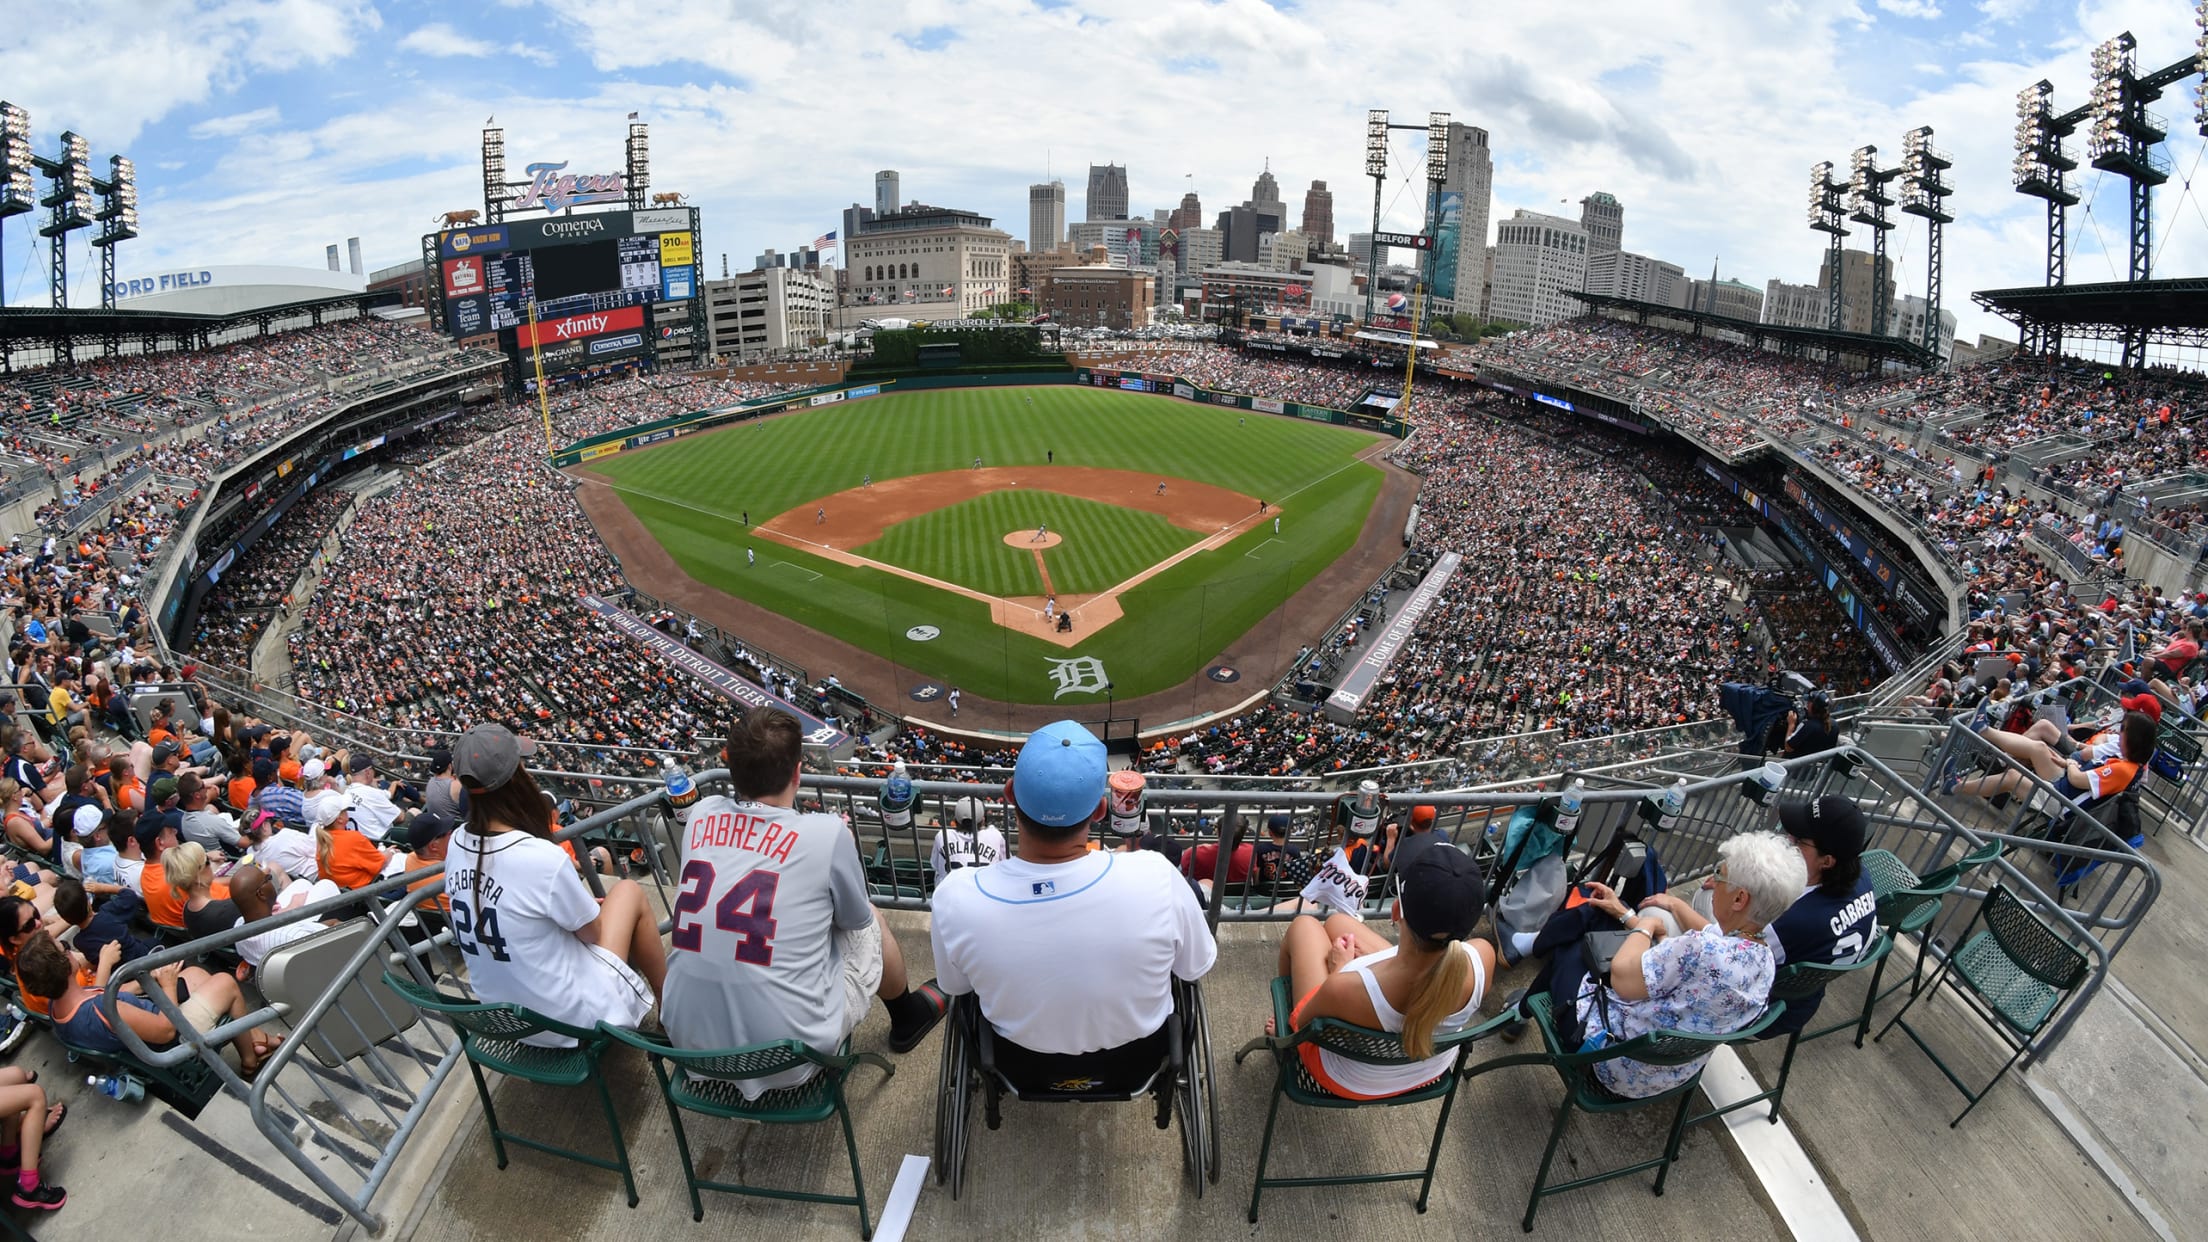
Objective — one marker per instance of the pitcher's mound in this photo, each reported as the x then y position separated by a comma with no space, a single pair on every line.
1027,539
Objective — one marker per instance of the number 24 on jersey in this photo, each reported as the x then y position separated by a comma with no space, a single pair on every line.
746,909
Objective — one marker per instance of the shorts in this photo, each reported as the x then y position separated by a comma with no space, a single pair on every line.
202,1014
860,952
625,998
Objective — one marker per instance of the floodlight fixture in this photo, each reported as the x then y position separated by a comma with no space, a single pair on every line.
1437,143
1376,143
638,179
2200,68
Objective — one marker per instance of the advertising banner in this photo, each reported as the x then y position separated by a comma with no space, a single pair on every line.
1266,405
533,233
675,250
716,678
868,390
472,241
826,398
602,450
660,221
677,283
576,327
623,342
653,438
468,316
463,278
1365,674
1184,390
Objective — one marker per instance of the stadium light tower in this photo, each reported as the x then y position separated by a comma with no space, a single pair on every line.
1437,171
494,174
2038,171
2121,139
18,193
1827,215
2200,67
1376,167
118,218
1867,204
71,204
1924,193
639,170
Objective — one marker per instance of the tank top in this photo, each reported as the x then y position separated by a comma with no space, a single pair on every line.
1379,1080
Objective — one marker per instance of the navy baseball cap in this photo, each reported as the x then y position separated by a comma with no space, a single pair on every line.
1441,894
1059,778
1832,823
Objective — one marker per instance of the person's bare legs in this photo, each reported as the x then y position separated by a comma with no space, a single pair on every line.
894,983
1303,956
223,992
2029,751
1992,786
627,930
2044,732
26,1102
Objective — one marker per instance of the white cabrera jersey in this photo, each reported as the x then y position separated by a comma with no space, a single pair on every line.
751,959
1071,957
516,923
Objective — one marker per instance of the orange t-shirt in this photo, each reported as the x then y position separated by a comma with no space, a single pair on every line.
163,905
131,793
158,736
354,860
241,791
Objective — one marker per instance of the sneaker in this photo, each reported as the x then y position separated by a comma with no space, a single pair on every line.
45,1196
19,1030
1515,1031
1503,955
903,1038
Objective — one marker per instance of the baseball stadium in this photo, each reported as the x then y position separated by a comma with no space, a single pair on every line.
1650,771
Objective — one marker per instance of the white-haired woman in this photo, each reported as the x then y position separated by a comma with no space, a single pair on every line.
1712,980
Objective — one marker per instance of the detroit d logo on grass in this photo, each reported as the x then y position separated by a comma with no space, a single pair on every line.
1080,675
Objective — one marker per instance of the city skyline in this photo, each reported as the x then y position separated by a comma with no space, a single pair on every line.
262,134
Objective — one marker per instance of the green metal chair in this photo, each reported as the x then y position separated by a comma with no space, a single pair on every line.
1907,906
491,1038
710,1084
2014,974
1295,1083
1583,1092
1795,982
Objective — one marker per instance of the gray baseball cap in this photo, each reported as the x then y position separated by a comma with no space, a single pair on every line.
487,756
969,811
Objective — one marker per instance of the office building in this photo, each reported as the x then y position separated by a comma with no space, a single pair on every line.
1623,274
1318,215
1240,227
1046,215
1265,194
1093,296
768,311
1793,306
885,192
1460,242
1284,251
1856,287
1729,299
1540,260
1107,198
919,255
1252,290
1604,219
1189,215
1907,322
1202,248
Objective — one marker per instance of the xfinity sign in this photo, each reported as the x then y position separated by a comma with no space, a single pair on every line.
577,327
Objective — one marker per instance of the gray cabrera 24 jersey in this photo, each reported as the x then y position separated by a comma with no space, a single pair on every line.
762,887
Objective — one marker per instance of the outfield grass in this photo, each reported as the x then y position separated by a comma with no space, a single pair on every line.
692,492
1104,546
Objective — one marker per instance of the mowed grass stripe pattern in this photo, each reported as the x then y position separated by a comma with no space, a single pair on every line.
1174,623
768,467
1104,545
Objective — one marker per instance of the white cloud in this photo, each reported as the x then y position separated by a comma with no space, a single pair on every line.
1910,8
237,123
441,39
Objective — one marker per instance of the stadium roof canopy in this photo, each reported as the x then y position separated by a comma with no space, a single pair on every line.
37,335
1788,340
2170,312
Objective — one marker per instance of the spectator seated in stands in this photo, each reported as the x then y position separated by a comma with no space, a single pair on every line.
968,841
1273,861
1201,864
72,994
375,815
1834,918
831,953
27,1120
1710,980
1428,984
2116,762
1404,849
24,831
157,835
342,855
212,830
260,895
1022,935
95,928
192,876
532,933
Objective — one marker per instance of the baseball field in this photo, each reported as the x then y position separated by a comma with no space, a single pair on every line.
1151,521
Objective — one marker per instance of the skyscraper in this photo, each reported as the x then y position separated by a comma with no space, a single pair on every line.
1318,214
1189,215
1540,261
1107,198
1460,259
1265,194
1046,215
1604,219
885,192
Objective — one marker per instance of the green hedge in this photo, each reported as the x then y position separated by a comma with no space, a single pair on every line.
988,346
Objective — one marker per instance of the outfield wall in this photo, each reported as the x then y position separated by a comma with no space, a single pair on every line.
668,428
1175,386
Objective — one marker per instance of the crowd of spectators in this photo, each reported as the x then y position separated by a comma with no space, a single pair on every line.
1256,373
584,411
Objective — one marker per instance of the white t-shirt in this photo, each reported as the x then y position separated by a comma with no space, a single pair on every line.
373,811
1071,957
965,848
290,851
516,922
128,872
255,949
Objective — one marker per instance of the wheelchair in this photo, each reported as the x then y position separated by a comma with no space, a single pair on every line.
1181,1084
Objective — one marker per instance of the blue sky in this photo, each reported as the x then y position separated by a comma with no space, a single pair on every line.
264,130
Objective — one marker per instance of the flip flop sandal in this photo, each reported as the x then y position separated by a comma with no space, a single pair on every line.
911,1039
55,1118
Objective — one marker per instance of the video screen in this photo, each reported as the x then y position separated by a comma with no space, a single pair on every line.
570,271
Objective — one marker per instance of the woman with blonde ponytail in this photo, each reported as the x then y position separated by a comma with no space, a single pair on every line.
1426,986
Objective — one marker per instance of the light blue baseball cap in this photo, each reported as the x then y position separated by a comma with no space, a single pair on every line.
1059,779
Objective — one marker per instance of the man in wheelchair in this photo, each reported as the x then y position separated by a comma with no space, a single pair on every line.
1070,952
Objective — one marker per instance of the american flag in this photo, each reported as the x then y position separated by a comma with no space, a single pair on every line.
826,241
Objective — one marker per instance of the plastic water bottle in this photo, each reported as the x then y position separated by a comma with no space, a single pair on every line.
117,1087
681,790
1663,810
897,798
1569,806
